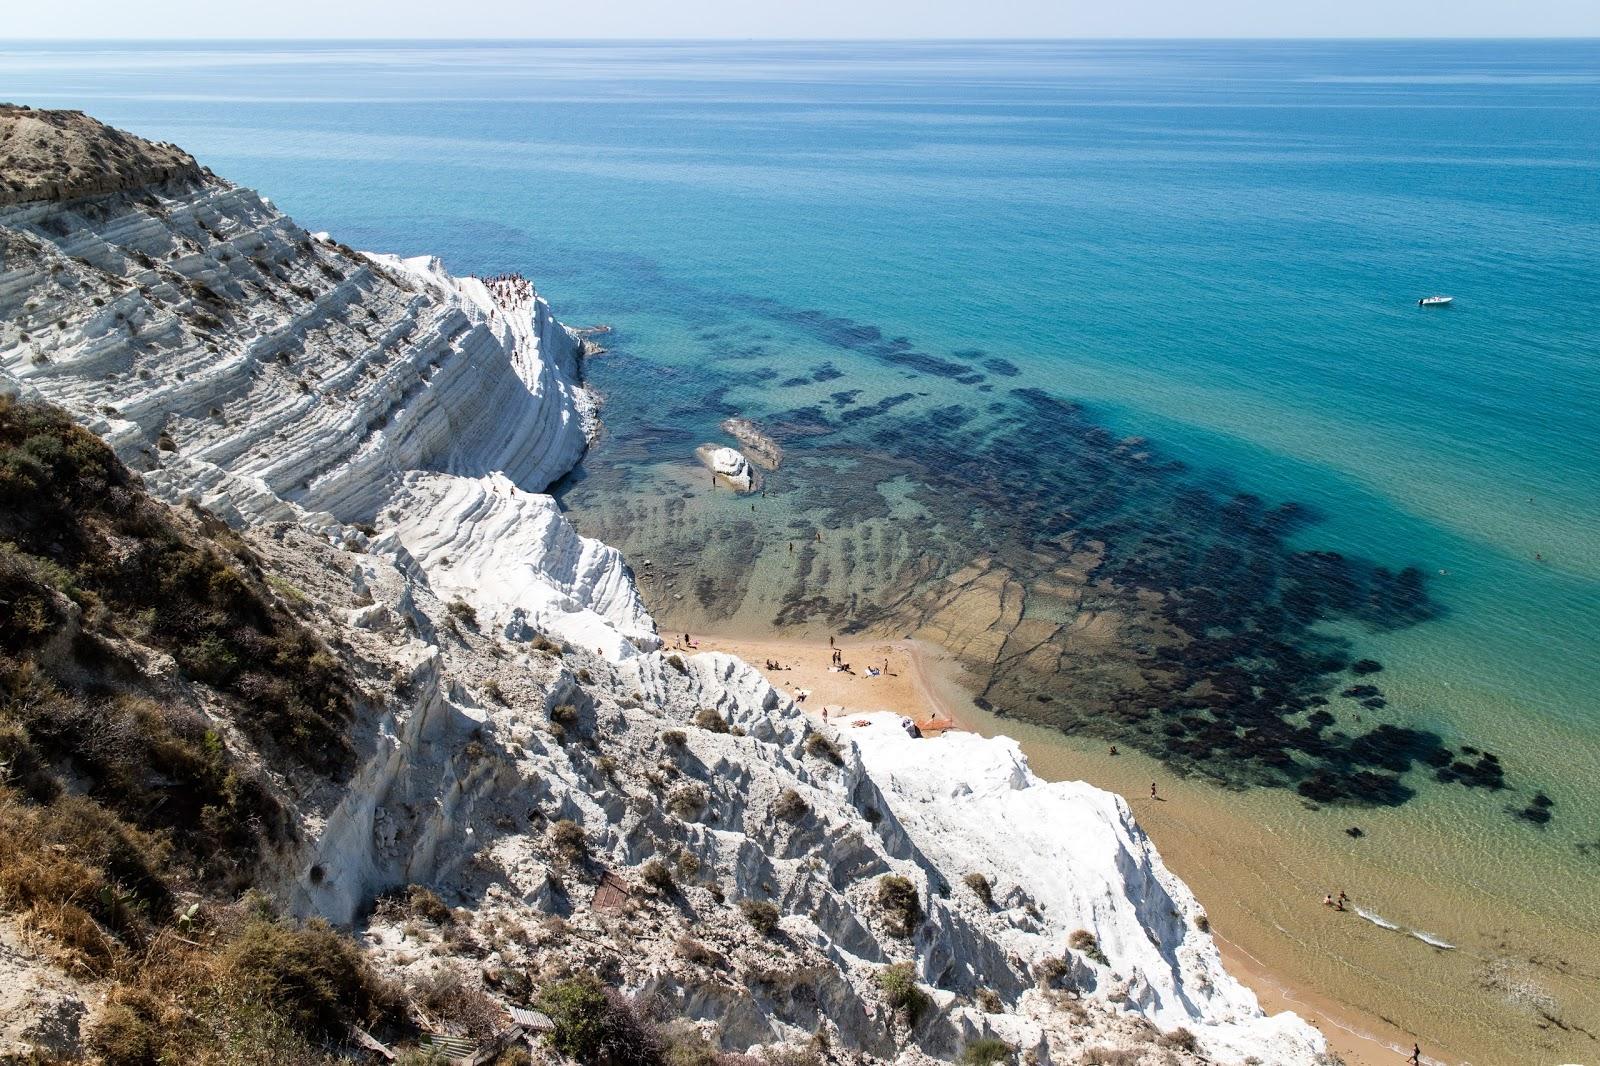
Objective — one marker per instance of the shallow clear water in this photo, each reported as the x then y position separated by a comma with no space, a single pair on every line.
1217,247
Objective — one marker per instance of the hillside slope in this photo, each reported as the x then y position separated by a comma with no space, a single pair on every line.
376,435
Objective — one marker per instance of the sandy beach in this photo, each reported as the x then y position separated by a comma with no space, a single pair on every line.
921,683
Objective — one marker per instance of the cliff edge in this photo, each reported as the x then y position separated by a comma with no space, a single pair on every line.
533,806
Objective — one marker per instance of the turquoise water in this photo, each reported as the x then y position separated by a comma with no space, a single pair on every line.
1217,247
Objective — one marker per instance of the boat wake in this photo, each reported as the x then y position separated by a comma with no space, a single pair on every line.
1383,923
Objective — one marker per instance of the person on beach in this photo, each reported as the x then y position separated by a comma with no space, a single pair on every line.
1153,791
1416,1054
1327,899
830,640
1113,749
1342,899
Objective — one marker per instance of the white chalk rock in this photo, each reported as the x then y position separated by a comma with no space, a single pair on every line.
729,464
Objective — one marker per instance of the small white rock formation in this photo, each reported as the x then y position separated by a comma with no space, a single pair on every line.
728,464
382,432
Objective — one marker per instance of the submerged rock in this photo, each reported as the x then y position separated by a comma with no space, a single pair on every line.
760,448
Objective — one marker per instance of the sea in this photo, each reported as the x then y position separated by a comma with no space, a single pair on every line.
1099,365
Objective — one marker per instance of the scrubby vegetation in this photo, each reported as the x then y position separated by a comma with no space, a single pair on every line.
981,888
986,1052
899,986
597,1026
761,915
1084,941
902,910
1180,1039
262,991
87,557
656,874
415,901
119,796
822,747
569,839
791,806
708,719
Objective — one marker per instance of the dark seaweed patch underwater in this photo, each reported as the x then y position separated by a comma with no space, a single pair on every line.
1093,585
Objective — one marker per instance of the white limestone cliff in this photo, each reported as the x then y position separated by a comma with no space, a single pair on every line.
383,432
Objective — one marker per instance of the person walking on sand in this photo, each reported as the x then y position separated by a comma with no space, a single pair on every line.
1342,899
830,640
1416,1054
1153,791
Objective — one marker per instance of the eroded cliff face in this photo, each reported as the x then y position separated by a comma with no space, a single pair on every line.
382,433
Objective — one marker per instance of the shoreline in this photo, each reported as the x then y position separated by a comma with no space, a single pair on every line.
922,684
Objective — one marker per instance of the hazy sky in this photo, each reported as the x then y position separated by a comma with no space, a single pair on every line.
803,18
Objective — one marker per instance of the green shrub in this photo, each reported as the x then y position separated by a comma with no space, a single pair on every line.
989,1001
564,713
598,1027
986,1051
674,738
578,1007
677,663
463,612
761,915
900,989
981,888
686,1047
901,907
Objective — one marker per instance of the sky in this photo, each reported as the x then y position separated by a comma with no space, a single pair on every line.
552,19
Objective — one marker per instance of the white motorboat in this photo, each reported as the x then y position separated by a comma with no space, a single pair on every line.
1435,301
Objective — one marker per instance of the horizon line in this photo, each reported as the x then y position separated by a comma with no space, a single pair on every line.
1595,37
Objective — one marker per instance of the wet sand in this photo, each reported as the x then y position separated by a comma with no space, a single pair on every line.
922,683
